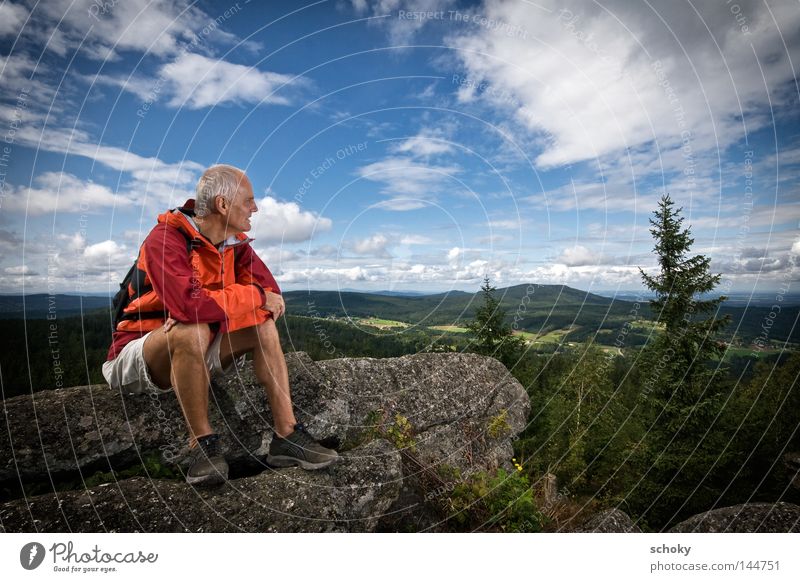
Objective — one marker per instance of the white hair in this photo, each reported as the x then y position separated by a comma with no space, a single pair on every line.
219,180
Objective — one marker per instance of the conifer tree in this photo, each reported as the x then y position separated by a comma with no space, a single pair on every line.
681,396
493,336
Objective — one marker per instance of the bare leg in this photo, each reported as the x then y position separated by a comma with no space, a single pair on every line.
177,358
269,364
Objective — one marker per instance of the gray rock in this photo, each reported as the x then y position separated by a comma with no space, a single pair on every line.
745,518
609,521
792,462
447,413
349,496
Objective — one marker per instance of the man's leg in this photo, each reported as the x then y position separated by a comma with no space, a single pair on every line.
269,364
291,445
177,358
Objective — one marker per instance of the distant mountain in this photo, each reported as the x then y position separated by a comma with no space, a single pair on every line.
389,293
553,305
760,299
533,308
39,305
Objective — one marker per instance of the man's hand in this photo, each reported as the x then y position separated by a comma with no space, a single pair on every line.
169,324
274,304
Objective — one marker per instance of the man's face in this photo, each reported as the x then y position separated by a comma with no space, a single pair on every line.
241,207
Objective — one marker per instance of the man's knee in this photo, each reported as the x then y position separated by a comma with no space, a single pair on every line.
267,333
191,338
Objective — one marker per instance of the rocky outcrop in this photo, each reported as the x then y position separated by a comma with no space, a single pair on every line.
746,518
792,462
350,496
609,521
399,423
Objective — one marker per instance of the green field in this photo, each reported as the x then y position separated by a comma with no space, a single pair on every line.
449,328
555,336
379,323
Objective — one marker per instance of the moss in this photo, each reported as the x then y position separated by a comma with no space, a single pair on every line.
498,425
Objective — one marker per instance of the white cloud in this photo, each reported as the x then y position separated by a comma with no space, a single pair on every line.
401,204
19,270
415,239
274,256
579,256
324,252
22,88
426,143
12,17
153,179
196,81
511,224
319,275
372,246
102,28
402,28
409,184
599,79
58,192
102,251
285,222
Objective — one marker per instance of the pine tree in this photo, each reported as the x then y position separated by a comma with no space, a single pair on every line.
682,393
682,278
493,336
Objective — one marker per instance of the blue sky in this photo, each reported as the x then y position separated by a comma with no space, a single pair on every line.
404,145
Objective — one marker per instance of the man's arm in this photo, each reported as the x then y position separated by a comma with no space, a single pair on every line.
251,270
182,294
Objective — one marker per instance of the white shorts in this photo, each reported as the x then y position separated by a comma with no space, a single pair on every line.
128,371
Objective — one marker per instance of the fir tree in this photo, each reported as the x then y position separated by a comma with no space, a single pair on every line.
493,336
682,392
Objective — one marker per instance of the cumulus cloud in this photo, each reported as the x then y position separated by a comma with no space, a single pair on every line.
402,29
580,255
12,17
371,246
454,254
602,79
274,256
196,81
152,178
285,222
59,192
102,29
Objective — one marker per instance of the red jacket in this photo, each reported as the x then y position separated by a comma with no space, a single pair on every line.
224,286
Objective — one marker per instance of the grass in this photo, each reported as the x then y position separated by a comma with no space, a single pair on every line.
555,336
449,328
379,323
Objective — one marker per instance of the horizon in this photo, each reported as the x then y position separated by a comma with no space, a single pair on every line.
602,292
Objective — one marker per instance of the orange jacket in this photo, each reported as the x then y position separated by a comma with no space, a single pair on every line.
224,286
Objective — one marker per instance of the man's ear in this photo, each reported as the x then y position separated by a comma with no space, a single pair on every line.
221,204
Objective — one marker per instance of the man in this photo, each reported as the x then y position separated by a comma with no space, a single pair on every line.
200,297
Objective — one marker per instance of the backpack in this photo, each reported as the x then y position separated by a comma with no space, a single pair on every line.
135,279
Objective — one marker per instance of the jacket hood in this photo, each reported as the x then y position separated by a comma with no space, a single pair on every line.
182,218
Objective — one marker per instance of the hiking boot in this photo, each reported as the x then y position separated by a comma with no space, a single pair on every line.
207,465
299,448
